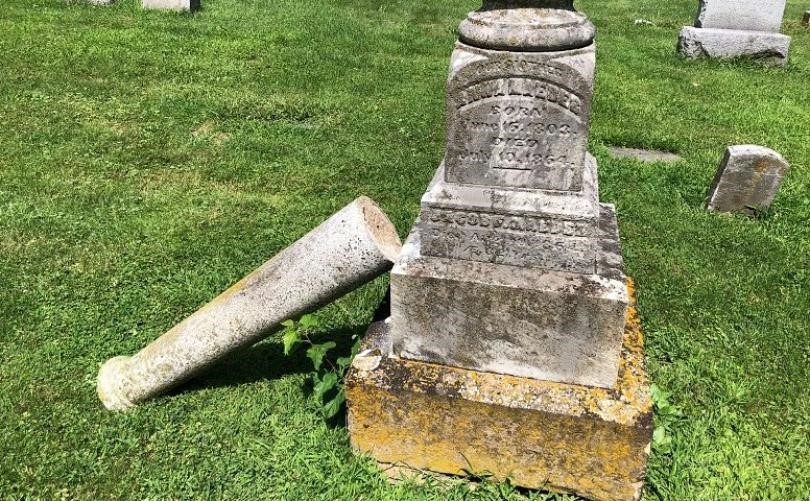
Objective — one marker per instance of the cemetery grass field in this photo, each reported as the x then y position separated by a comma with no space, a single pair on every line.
149,160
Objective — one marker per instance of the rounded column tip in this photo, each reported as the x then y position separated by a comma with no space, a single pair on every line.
109,388
382,231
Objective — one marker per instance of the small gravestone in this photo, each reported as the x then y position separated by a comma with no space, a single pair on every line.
806,20
748,179
176,5
619,152
737,28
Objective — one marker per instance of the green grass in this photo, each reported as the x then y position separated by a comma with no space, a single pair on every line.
149,160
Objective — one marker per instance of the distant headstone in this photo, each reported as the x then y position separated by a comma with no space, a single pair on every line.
178,5
806,20
727,29
748,179
749,15
643,155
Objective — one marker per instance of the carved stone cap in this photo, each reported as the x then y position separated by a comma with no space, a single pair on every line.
527,25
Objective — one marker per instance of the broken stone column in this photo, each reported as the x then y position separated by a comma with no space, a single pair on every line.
349,249
737,28
509,303
748,179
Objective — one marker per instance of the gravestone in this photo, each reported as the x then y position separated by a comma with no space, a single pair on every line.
641,155
806,19
509,296
749,15
176,5
737,28
747,180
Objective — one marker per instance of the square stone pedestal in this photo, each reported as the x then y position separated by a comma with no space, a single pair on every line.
590,441
523,321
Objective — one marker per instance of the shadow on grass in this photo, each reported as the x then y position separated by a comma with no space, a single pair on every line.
266,361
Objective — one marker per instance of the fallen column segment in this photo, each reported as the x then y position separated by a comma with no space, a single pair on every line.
348,250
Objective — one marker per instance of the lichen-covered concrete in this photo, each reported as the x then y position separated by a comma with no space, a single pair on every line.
541,435
349,249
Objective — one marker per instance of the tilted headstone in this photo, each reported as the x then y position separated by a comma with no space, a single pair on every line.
737,28
511,282
177,5
747,180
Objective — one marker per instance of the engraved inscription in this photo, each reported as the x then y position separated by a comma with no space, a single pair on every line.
517,66
554,252
540,90
520,132
527,224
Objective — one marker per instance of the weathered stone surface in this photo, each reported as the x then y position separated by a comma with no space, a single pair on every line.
177,5
349,249
503,354
545,229
643,155
590,441
530,322
806,19
510,268
527,25
750,15
518,119
770,48
748,179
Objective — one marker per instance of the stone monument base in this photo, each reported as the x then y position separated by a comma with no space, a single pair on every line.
590,441
769,48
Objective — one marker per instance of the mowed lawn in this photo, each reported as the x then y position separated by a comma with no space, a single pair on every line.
149,160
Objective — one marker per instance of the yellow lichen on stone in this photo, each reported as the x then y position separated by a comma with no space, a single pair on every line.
590,441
